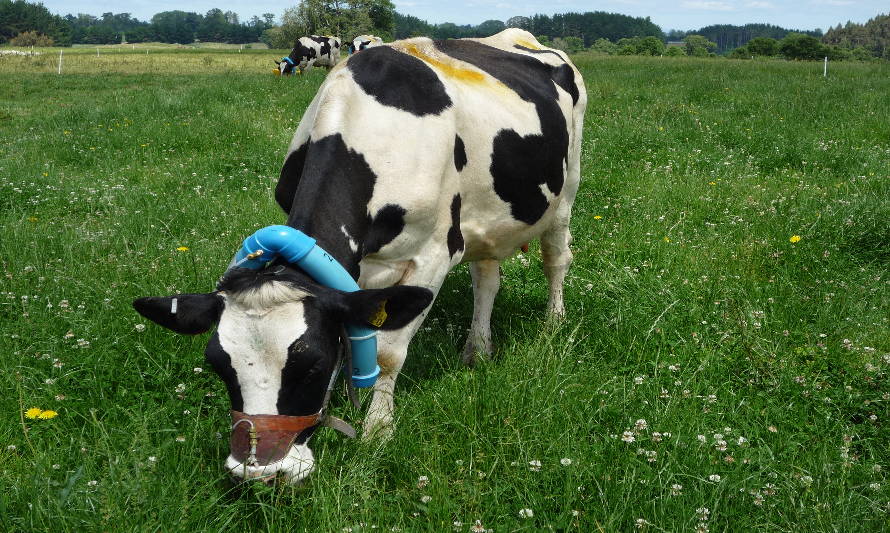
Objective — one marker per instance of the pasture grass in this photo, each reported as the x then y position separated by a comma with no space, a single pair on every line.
711,374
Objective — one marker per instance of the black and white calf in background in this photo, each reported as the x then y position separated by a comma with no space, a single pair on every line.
480,155
315,50
364,41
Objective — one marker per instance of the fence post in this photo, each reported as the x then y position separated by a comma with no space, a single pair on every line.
60,62
825,69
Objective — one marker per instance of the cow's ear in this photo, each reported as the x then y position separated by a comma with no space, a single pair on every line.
183,313
390,308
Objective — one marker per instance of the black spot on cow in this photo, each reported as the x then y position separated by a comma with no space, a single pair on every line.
384,227
289,178
308,367
521,164
326,180
455,237
399,80
460,153
336,183
564,76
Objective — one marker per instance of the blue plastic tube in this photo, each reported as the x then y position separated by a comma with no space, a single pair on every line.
298,248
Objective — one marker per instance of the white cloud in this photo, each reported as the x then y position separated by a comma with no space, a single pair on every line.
708,6
760,5
835,2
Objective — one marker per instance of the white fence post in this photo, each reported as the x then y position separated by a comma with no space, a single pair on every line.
60,62
825,69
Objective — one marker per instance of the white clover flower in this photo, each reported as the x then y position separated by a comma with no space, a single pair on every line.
874,486
426,499
152,459
526,513
180,388
640,523
628,436
180,438
565,461
422,482
641,424
714,477
139,327
701,438
638,380
11,447
197,370
534,465
676,489
92,483
720,445
742,441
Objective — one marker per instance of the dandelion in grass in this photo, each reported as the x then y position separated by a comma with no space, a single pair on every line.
182,249
46,415
526,513
33,412
597,217
794,238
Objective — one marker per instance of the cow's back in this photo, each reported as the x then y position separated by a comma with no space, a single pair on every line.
480,135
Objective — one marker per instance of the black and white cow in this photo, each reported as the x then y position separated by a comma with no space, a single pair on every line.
315,50
480,154
364,41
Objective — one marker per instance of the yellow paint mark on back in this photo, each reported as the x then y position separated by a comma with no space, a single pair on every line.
528,44
450,70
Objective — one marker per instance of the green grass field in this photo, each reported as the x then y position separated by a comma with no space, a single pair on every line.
723,366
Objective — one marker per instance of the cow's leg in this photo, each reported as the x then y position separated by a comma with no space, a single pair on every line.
392,349
486,282
557,257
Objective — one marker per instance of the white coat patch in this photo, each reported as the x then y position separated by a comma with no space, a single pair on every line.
256,330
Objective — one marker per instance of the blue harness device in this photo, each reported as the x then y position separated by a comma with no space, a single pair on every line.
296,247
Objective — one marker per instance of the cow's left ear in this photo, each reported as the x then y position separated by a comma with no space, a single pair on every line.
390,308
189,314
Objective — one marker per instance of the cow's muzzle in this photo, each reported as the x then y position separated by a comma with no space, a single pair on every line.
260,444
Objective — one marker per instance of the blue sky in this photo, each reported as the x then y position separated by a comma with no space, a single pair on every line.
674,14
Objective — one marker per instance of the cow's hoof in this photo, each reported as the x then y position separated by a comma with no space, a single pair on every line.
473,354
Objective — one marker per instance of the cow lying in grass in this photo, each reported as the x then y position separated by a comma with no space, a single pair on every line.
314,50
480,153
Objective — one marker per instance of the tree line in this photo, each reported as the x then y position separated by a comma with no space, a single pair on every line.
598,31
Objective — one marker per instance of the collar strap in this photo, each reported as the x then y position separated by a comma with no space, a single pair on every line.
288,60
264,439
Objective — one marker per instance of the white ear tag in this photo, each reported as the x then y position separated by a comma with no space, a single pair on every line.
174,303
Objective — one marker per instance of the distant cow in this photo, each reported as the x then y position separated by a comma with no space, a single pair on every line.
315,50
364,41
476,151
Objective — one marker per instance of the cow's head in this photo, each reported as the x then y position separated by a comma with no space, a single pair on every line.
276,348
301,58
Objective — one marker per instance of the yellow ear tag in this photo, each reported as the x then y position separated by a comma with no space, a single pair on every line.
379,317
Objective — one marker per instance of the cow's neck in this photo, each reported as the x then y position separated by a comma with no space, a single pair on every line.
330,203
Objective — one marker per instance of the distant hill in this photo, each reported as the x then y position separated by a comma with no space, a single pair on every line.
874,36
729,37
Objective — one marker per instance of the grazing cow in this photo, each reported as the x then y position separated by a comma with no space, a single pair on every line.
364,41
480,154
315,50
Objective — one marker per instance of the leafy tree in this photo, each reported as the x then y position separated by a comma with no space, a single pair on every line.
800,46
490,27
31,38
518,22
604,46
17,16
570,45
650,46
176,26
728,36
674,51
873,36
698,45
742,52
763,46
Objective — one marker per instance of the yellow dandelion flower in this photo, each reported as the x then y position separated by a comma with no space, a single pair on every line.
33,412
46,415
712,183
597,217
794,238
33,219
667,239
183,249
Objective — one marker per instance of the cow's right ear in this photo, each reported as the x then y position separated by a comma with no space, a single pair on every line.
189,314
